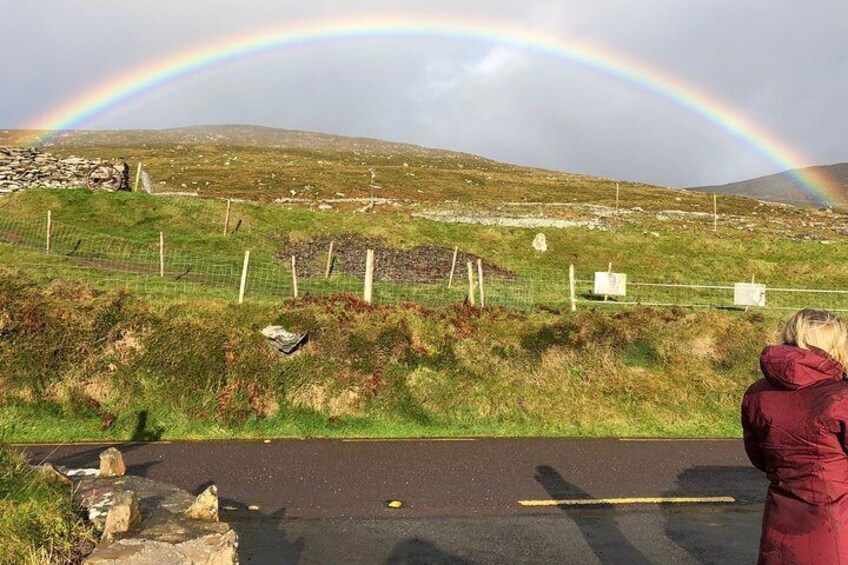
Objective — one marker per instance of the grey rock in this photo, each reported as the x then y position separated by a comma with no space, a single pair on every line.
166,534
284,341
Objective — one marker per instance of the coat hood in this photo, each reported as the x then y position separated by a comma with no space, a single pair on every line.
792,368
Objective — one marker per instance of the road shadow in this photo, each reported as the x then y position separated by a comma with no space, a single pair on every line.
599,530
141,433
90,457
718,533
262,537
416,551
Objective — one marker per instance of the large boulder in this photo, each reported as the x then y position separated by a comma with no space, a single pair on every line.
146,522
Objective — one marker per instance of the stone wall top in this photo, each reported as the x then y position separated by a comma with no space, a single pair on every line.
28,167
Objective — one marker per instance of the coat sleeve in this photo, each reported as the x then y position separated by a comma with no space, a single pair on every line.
752,443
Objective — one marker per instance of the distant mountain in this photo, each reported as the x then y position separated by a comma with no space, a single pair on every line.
234,135
264,163
784,187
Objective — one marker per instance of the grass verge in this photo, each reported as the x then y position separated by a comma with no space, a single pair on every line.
82,364
39,522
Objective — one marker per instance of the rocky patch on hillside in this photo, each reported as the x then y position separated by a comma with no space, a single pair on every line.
421,264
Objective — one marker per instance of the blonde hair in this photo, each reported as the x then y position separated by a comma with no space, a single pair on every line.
820,329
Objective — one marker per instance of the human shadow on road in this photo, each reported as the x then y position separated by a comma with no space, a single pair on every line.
141,433
718,533
90,458
600,531
416,551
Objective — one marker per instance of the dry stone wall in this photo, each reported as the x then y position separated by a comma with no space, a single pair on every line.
28,167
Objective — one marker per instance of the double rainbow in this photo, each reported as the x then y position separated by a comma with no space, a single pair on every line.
116,91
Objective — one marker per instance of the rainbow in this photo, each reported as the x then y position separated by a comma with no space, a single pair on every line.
120,89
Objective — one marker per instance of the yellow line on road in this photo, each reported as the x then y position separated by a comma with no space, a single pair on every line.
633,500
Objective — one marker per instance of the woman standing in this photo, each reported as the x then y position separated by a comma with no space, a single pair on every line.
795,424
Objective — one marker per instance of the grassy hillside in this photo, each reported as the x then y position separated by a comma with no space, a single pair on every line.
94,344
265,164
678,251
88,360
82,364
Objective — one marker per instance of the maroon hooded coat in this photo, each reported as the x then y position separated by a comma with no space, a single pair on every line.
795,424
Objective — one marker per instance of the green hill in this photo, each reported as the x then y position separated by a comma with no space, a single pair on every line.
92,334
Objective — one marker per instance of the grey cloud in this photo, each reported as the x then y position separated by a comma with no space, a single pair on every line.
781,62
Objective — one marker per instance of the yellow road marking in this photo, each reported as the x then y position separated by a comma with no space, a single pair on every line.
632,500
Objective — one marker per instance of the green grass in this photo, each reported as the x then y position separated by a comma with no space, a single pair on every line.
120,232
39,523
93,359
82,364
193,226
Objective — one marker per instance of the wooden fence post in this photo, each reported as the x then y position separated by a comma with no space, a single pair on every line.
617,192
480,282
453,266
572,294
161,254
329,268
227,216
243,284
294,276
369,276
470,284
137,177
49,230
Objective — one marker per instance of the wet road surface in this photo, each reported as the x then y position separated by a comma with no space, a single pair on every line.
325,501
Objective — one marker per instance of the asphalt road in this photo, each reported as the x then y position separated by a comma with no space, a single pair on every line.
325,501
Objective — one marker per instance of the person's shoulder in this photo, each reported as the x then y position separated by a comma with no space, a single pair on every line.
758,386
838,391
836,394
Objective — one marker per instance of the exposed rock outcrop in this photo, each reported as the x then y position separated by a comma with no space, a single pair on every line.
145,522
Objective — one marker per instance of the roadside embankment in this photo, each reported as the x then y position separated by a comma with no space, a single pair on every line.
78,363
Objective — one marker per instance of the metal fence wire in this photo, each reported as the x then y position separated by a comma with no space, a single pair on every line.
110,262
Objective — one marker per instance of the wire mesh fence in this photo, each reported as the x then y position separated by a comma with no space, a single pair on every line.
145,268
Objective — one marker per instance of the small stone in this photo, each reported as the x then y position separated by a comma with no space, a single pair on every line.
112,463
123,514
205,506
540,243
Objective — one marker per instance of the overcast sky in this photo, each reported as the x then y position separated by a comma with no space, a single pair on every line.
781,63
